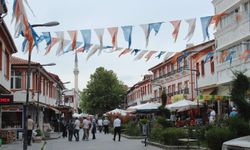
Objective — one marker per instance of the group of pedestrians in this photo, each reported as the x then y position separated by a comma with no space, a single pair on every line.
90,124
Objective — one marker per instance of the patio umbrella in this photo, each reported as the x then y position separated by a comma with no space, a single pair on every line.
117,111
181,105
147,107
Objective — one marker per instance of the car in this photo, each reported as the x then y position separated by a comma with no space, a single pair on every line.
242,143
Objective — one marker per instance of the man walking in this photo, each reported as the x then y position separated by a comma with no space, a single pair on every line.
30,128
77,128
86,127
117,128
106,125
70,127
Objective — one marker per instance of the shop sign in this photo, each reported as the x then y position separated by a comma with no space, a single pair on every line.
6,99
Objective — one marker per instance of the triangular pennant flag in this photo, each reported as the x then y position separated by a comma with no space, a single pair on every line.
73,36
113,32
245,55
224,54
216,18
229,57
205,22
141,54
60,38
47,37
168,55
208,57
150,54
77,46
135,51
125,51
127,32
63,51
145,28
86,35
48,48
155,27
191,28
93,51
160,54
99,33
176,24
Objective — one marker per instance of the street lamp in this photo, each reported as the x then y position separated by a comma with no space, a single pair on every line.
39,90
25,127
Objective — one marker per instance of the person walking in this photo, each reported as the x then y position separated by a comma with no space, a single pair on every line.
117,128
30,128
106,125
77,128
93,130
233,113
71,128
212,116
64,129
86,127
100,124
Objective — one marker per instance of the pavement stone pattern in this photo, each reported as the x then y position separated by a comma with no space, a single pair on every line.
102,142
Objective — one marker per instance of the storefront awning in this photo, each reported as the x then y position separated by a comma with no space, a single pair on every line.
208,91
212,97
48,106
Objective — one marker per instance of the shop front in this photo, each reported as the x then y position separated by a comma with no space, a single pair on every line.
11,118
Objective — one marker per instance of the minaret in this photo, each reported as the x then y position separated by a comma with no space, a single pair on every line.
76,72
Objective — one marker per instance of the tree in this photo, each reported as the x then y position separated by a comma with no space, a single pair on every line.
241,85
104,92
163,111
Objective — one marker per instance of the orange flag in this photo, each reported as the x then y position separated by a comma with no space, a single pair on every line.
113,32
73,36
176,25
216,19
125,51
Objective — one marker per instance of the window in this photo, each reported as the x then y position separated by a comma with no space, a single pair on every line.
6,65
179,86
246,7
197,69
169,89
1,51
227,20
173,88
16,79
202,68
212,65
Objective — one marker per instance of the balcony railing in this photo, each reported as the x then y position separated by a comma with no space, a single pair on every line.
182,91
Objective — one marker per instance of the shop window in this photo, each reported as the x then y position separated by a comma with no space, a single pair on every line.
16,79
11,116
197,69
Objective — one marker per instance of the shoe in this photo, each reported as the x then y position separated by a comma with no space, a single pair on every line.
113,139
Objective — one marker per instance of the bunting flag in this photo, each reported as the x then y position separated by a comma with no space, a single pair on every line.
51,44
208,57
191,28
36,40
125,51
145,28
176,24
224,54
127,32
150,54
135,51
160,54
216,19
29,7
113,32
229,57
168,55
245,55
140,55
77,47
93,51
73,36
155,27
62,43
205,22
99,33
86,35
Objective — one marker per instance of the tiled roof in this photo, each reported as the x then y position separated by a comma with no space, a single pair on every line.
19,61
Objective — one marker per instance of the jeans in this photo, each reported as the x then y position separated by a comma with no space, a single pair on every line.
117,130
76,134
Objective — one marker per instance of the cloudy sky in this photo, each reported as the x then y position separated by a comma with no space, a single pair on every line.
91,14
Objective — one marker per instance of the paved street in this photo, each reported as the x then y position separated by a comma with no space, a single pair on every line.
103,142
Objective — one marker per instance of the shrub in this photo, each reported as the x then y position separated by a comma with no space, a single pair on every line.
239,126
170,136
156,134
216,136
162,121
38,132
132,129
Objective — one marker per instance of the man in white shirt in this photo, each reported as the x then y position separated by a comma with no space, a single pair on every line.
212,116
117,128
77,128
106,125
86,127
30,127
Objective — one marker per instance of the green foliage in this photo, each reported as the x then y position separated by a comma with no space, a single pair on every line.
163,122
170,136
38,132
163,98
104,92
156,134
132,129
143,121
216,136
239,126
241,85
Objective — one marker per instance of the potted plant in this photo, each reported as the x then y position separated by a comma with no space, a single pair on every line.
38,136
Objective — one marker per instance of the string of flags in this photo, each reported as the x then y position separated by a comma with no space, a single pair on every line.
31,38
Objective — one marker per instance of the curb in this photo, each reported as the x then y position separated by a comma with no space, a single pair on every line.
133,137
169,147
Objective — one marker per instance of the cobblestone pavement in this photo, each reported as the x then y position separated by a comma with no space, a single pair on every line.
102,142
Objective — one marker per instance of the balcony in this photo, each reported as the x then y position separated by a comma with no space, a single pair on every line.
182,91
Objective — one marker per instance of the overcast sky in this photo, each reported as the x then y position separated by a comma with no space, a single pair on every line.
91,14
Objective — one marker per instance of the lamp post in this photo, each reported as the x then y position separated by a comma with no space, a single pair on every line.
25,127
39,91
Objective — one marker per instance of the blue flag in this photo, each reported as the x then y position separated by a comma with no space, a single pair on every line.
155,27
127,32
86,35
160,54
135,51
205,22
208,57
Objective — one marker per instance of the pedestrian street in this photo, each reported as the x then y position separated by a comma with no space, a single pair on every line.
102,142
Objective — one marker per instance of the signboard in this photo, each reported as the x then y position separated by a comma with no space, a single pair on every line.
6,99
